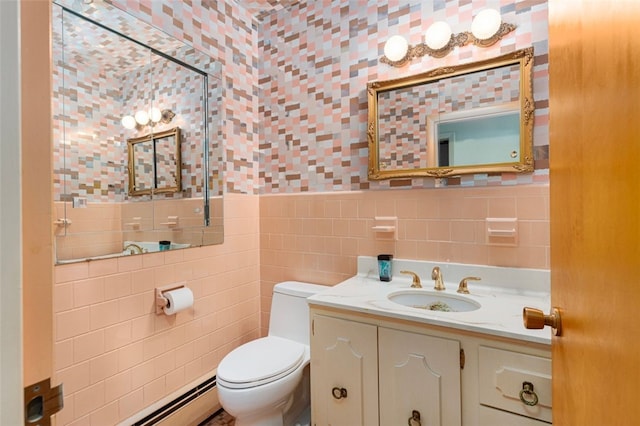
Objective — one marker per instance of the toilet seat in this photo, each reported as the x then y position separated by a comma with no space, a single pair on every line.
260,362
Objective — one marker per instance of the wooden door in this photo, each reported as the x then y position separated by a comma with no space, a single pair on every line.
344,357
594,66
418,373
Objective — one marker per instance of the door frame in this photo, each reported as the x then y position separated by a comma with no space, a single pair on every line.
10,210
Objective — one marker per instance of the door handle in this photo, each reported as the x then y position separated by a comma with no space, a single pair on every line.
535,319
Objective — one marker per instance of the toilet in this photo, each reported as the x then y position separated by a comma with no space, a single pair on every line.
261,382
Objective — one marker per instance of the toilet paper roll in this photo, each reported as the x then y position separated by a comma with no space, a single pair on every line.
178,300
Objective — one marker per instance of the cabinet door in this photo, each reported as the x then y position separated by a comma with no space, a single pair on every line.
343,357
418,373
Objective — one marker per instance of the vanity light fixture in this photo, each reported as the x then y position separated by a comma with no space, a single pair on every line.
487,28
143,118
438,35
396,48
128,122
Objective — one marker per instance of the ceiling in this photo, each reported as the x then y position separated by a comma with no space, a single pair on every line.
262,8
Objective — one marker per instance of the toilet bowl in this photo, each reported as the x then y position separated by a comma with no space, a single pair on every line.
259,383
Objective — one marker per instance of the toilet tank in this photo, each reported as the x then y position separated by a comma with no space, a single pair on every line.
289,316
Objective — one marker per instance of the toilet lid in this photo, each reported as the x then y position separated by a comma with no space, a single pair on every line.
260,361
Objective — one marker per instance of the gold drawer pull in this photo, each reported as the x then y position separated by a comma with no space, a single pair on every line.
527,395
414,420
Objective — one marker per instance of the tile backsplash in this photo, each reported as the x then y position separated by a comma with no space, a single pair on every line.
318,237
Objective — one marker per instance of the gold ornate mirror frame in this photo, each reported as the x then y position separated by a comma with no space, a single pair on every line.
523,59
153,167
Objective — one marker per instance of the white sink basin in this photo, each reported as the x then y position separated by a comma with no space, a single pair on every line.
433,301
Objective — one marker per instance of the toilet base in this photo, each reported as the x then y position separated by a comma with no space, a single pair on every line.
273,417
283,412
301,401
265,419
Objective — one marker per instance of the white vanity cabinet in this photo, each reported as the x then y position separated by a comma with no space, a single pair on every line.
369,370
418,376
344,372
366,375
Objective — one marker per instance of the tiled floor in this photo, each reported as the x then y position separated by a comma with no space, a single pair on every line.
220,419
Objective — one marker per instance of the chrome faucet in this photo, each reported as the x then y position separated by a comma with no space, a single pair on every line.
437,276
133,247
416,279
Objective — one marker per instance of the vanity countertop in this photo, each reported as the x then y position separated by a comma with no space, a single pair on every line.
500,313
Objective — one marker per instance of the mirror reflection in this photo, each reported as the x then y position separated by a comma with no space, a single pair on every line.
133,159
482,137
154,163
472,118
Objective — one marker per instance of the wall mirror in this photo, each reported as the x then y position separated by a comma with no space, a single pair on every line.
464,119
137,125
154,163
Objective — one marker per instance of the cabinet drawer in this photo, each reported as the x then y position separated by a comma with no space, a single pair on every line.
501,379
489,416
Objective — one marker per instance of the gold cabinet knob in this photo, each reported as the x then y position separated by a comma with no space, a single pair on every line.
535,319
414,420
339,393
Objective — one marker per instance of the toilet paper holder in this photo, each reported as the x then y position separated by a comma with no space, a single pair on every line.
162,301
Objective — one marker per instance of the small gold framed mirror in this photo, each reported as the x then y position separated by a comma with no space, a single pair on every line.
463,119
154,163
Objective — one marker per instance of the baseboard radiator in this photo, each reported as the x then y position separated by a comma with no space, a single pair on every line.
189,408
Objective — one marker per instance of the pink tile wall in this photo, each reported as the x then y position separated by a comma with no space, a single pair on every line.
317,237
116,356
92,231
101,228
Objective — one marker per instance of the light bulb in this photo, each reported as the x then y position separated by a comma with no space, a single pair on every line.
128,122
155,114
438,35
142,117
396,48
486,24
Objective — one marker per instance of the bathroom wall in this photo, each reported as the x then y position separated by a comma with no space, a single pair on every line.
294,119
317,237
316,61
115,356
